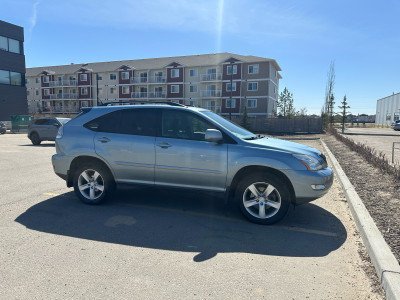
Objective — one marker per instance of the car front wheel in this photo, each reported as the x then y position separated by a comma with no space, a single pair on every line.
93,184
262,198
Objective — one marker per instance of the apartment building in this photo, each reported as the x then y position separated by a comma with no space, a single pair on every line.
12,71
223,82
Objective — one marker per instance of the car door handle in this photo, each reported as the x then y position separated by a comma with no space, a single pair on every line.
104,139
164,145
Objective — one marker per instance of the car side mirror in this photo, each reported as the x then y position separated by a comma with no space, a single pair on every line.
213,135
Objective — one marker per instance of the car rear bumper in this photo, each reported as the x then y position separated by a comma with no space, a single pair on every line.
310,185
61,164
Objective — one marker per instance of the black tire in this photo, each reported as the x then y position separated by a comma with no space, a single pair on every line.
35,139
91,192
263,209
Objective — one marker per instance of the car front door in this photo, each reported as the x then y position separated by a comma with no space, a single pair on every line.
125,139
184,158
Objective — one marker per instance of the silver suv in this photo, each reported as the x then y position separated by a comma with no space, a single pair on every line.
172,145
45,129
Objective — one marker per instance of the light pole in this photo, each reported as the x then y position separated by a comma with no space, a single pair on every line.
230,99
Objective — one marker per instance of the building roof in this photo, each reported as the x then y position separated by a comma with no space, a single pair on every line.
153,63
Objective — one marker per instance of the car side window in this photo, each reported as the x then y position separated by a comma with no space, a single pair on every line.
184,125
41,122
127,121
53,122
105,123
138,122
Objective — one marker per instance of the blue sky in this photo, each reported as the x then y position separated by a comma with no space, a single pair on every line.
361,37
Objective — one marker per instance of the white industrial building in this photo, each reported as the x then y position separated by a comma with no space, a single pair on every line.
388,110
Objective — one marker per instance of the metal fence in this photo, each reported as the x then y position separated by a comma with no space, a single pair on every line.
286,126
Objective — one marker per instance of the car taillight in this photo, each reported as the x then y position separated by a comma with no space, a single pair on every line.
60,132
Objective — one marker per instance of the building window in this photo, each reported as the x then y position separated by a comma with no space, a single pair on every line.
193,89
125,90
7,44
174,73
73,91
28,93
175,89
45,79
251,103
84,104
27,80
100,91
229,69
396,116
125,75
99,76
14,46
37,80
194,73
84,91
113,76
3,43
46,92
230,103
228,87
4,77
16,78
83,77
252,86
113,90
253,69
37,93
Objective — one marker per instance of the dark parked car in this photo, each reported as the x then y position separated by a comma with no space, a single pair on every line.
45,129
3,128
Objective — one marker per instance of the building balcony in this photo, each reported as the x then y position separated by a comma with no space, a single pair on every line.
61,109
211,77
63,83
64,96
151,79
214,108
152,95
211,94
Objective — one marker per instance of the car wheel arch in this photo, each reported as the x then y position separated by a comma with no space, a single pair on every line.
243,172
85,159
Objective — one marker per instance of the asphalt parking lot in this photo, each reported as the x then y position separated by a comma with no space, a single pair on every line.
380,139
153,244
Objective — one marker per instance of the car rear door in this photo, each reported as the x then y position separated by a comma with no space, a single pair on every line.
125,139
184,158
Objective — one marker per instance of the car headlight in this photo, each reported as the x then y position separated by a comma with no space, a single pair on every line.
311,162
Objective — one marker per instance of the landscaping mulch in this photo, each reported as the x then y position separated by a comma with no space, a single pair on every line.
379,191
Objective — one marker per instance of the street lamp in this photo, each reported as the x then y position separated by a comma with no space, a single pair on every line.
230,99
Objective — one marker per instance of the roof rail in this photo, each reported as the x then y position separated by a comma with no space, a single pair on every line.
139,102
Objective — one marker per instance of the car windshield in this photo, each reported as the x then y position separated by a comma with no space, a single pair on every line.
235,129
63,121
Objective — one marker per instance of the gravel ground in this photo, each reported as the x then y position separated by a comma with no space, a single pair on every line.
378,190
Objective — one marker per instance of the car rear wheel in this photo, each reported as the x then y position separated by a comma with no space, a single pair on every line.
35,139
262,198
93,184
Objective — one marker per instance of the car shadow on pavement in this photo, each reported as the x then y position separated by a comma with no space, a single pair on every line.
189,222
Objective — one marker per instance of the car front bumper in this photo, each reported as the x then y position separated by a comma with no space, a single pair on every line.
310,185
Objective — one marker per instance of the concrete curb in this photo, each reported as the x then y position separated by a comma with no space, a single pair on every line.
386,265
